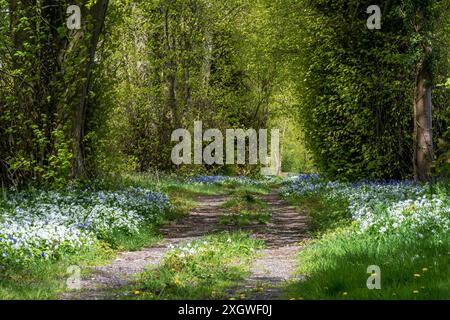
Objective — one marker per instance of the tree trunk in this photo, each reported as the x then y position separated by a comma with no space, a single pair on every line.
171,72
423,129
423,133
98,14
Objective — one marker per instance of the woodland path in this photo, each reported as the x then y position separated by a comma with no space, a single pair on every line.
282,236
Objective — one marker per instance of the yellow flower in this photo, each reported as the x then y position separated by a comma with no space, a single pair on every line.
232,299
416,275
424,269
136,292
345,293
177,281
416,291
292,299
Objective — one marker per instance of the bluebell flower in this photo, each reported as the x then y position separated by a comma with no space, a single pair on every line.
101,195
10,237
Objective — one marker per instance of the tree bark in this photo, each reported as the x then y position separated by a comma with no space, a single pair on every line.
171,69
423,127
98,14
423,132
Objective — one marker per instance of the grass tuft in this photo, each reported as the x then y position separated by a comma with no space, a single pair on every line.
202,269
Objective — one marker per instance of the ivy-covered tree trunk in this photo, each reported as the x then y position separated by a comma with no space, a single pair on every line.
49,70
423,132
98,15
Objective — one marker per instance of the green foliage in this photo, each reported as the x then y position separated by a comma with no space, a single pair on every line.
355,85
171,63
442,140
44,68
161,65
123,241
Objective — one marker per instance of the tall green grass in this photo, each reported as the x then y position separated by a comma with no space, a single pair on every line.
335,268
46,280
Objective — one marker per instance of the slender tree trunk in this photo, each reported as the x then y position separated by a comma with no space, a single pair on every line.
423,128
171,78
98,14
423,132
207,59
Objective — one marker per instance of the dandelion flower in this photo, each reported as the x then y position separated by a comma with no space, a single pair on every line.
416,275
416,291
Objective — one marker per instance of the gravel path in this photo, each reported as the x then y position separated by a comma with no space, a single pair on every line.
276,265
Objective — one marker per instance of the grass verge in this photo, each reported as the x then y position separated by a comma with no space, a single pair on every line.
335,264
45,280
202,269
245,209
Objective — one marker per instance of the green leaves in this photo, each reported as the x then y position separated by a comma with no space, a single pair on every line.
354,86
